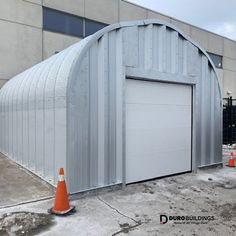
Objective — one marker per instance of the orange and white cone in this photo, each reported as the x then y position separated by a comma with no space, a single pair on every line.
231,162
61,202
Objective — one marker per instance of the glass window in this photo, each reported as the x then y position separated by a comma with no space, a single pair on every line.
92,26
217,59
62,22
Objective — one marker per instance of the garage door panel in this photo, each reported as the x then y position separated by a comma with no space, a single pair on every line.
158,139
149,91
167,165
158,129
159,117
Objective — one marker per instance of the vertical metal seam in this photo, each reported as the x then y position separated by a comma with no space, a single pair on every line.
89,122
193,129
28,103
18,101
16,113
203,77
22,112
35,105
212,120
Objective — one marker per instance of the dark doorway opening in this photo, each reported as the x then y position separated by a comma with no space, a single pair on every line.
229,120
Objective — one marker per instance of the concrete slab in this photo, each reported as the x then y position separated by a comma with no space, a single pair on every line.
18,185
136,209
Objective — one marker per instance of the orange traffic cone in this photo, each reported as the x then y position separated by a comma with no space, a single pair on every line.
231,162
61,203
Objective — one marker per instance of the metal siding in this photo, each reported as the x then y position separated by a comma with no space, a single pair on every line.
174,52
155,47
168,53
49,118
32,118
198,113
120,79
131,44
218,123
93,112
19,118
112,106
102,72
203,126
78,166
84,115
148,54
185,57
106,112
207,107
212,116
163,49
180,54
40,120
7,122
141,44
69,110
33,115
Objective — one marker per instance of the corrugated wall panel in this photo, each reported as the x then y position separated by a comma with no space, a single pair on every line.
93,113
203,98
206,119
106,111
155,47
148,47
141,47
218,123
32,118
131,33
33,115
212,116
40,120
162,49
120,83
112,66
102,75
174,52
168,54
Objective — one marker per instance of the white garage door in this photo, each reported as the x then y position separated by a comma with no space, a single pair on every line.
158,129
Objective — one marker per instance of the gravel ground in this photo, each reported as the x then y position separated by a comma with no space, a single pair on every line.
24,223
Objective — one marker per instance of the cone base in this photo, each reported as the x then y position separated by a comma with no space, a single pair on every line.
231,166
70,211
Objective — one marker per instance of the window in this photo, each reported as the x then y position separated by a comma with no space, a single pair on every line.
217,59
62,22
92,26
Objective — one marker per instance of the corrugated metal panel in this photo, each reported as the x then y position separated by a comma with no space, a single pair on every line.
33,115
69,110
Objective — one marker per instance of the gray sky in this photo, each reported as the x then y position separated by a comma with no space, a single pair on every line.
218,16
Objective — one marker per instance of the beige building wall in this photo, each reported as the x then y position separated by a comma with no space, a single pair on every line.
56,42
24,43
75,7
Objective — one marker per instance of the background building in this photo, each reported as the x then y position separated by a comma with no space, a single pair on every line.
33,30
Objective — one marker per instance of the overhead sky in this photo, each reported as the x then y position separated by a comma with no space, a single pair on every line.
218,16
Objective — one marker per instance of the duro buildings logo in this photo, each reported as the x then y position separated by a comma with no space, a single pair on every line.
189,219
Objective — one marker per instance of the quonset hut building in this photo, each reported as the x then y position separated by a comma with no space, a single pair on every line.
135,101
